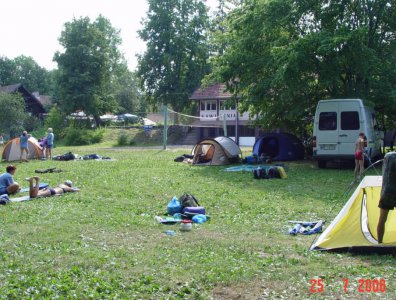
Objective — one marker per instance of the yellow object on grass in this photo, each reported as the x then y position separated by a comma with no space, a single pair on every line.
356,223
282,172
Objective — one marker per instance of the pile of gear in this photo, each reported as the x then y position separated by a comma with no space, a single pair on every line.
268,172
184,211
70,156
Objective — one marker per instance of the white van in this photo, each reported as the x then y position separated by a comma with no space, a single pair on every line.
337,125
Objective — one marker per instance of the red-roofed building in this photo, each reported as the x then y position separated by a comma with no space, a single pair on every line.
215,104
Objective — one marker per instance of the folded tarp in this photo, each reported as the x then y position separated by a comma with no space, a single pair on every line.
244,168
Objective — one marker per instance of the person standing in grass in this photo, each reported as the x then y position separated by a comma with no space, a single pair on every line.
1,140
23,144
388,192
359,148
7,184
49,144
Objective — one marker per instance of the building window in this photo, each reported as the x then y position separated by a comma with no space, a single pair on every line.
208,105
246,131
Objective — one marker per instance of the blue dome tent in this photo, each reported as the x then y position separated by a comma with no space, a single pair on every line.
279,146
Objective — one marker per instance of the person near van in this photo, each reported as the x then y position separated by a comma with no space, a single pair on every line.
49,144
7,184
388,192
23,144
359,149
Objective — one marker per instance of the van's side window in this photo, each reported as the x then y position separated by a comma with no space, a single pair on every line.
328,121
350,120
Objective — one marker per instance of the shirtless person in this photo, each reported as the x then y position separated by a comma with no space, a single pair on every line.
34,189
359,148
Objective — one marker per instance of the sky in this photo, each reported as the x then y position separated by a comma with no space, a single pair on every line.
32,27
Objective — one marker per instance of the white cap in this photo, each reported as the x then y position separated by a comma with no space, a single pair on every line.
69,183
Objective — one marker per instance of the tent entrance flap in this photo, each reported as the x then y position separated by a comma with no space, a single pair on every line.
269,147
204,153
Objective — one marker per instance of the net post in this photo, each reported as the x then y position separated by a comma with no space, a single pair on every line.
225,124
165,126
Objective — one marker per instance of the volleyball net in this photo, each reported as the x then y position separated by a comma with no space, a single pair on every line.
181,119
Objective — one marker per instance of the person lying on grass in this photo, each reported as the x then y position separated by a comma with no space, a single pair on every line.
34,188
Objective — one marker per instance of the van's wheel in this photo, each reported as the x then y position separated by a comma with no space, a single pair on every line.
322,164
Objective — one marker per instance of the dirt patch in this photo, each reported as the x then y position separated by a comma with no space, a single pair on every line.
240,291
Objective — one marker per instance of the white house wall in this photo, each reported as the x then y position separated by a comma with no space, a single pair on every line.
247,141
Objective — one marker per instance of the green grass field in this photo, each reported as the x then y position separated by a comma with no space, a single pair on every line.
103,242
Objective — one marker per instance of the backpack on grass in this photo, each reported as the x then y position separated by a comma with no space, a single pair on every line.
188,200
65,157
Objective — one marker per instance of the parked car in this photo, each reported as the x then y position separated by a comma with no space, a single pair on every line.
128,118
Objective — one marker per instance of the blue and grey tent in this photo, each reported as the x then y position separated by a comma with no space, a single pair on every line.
279,146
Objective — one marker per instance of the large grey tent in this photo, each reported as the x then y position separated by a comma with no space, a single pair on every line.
218,151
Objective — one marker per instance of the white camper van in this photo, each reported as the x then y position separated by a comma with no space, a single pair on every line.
337,125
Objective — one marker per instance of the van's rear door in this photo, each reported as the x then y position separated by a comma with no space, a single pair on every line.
327,135
350,125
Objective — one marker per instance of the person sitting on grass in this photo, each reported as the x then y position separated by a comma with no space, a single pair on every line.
7,184
34,188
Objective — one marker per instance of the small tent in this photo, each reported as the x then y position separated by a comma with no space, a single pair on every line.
218,151
12,150
355,227
279,146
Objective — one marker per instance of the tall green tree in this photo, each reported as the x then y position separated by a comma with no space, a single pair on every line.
176,58
7,71
86,67
25,70
283,56
12,113
127,92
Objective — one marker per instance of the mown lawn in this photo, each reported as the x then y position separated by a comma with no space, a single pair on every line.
103,242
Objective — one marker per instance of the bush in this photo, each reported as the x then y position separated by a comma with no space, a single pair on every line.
122,139
56,120
79,137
